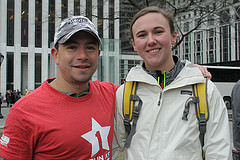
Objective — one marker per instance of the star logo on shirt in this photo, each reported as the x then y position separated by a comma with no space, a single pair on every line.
94,140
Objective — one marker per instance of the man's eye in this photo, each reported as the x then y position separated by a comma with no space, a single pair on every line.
91,47
71,47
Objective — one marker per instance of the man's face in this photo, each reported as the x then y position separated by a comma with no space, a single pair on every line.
152,40
77,59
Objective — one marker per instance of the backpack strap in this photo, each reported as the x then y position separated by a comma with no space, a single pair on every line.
201,106
200,91
130,110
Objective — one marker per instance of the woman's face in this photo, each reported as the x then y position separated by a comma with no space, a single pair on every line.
152,39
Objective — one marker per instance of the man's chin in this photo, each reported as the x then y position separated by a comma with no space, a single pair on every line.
83,79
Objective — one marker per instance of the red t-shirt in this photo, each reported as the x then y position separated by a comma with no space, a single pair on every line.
48,124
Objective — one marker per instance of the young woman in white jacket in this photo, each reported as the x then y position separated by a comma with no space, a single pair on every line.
164,85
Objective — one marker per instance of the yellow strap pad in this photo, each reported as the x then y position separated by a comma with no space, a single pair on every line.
200,91
129,89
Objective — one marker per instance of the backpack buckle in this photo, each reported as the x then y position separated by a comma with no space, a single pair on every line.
127,125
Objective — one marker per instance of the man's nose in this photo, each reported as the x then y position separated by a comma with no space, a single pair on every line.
82,54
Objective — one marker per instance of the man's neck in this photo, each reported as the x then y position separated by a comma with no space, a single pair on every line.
64,86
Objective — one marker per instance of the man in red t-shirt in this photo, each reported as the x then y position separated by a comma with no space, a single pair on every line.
70,116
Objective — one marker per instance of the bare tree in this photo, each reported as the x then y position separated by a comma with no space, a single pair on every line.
202,11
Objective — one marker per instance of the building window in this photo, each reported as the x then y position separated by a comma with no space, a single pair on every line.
38,69
111,19
10,66
100,18
89,9
197,22
186,27
211,45
197,46
225,36
24,72
225,17
10,22
51,22
76,7
38,23
187,48
237,13
237,40
24,24
64,9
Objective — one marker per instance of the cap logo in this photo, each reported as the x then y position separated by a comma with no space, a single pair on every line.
71,25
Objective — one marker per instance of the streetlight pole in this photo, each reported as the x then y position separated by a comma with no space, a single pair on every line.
1,60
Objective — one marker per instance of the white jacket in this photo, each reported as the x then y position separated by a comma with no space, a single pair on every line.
161,134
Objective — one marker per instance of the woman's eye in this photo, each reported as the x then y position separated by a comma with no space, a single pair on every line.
157,32
141,35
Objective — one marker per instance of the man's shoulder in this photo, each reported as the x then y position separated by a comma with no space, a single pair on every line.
106,85
37,95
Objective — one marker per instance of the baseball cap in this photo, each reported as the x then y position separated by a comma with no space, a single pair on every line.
72,25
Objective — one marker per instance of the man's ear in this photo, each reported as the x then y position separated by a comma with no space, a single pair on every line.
99,51
133,44
54,53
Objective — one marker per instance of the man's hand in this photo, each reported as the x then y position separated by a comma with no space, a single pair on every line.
204,71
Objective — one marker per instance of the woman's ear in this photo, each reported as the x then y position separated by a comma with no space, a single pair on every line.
133,44
174,38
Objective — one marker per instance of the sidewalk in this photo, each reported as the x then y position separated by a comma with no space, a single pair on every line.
4,111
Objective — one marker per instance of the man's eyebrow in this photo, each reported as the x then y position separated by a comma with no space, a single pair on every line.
70,41
92,42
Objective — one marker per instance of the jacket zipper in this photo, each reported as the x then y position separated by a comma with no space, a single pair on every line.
160,96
